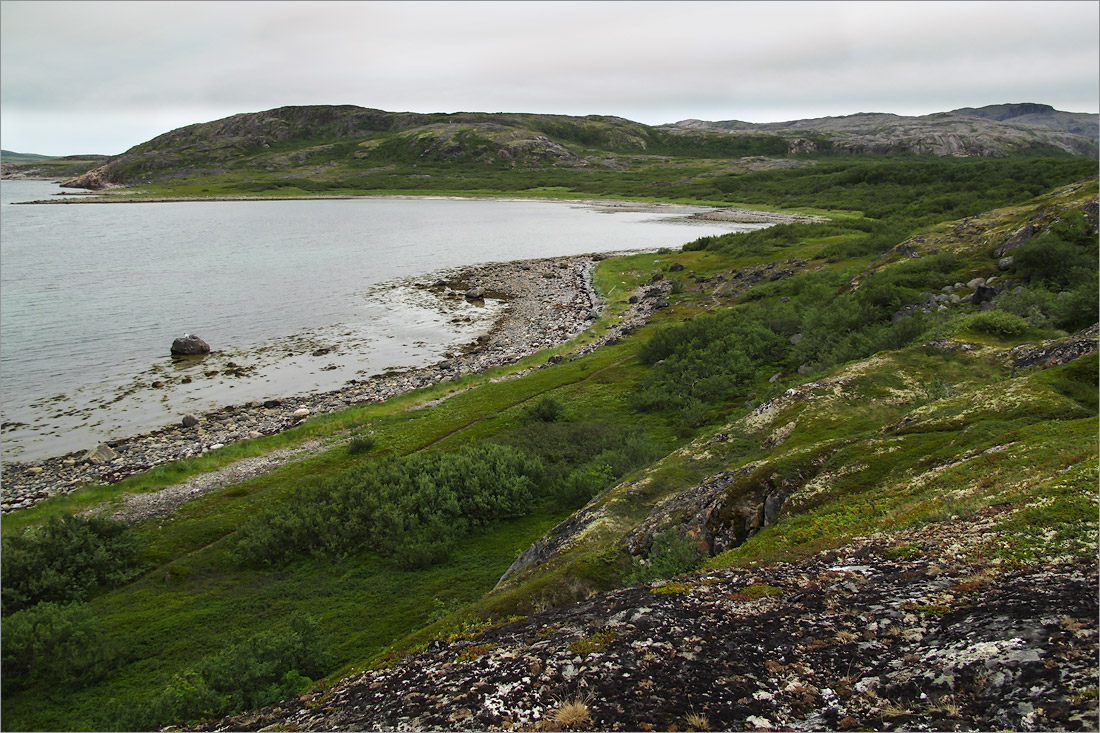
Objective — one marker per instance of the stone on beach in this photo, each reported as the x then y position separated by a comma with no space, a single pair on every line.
189,345
102,453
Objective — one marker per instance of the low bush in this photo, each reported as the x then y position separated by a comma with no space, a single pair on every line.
53,645
360,444
671,554
259,670
412,510
64,560
998,323
546,409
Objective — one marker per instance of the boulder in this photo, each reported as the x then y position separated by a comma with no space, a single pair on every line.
189,345
102,453
983,294
189,421
1015,239
795,338
1005,263
475,293
675,267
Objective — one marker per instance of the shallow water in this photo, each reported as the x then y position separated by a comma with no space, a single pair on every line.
91,297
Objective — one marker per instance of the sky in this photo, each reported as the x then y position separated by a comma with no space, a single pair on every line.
101,77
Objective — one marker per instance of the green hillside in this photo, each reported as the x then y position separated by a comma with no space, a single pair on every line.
925,358
352,150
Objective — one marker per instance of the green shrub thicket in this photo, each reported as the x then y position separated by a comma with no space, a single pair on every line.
581,459
412,510
261,669
64,560
1061,267
415,509
898,196
699,364
53,645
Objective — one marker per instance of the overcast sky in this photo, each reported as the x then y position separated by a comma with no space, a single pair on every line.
101,77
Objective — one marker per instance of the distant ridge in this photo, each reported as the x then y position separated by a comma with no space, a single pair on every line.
11,157
304,142
993,131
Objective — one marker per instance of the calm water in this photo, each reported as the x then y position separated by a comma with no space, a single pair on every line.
91,297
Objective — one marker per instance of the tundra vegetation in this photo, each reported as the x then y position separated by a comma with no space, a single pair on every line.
398,533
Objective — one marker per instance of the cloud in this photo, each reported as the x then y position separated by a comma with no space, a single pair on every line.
114,71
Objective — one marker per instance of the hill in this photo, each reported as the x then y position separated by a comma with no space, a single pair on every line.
882,546
348,148
29,166
993,131
830,474
11,157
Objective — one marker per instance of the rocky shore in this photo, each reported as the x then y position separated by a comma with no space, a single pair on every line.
548,302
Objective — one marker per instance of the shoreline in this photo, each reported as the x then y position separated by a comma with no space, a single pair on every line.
699,212
549,302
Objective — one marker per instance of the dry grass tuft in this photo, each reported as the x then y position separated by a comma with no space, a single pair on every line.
696,721
573,713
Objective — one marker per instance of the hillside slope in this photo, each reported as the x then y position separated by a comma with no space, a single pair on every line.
330,142
907,541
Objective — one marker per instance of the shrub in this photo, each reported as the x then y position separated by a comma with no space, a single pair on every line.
998,323
52,645
269,666
545,410
1055,261
64,559
671,554
413,510
582,459
360,444
703,360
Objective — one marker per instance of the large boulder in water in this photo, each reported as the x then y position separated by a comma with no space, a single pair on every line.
189,345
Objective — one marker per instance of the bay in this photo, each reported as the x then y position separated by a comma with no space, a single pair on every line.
92,295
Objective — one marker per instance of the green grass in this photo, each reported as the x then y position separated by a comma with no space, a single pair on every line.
361,603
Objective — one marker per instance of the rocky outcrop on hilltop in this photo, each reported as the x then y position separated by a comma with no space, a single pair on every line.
985,132
859,638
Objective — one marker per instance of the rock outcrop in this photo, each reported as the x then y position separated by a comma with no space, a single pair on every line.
854,639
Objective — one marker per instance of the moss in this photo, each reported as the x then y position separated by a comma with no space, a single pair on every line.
756,591
593,644
669,588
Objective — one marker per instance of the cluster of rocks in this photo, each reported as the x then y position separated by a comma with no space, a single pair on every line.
548,303
911,632
978,291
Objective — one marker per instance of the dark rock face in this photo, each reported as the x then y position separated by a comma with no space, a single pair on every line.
983,294
189,345
849,640
1057,352
1015,239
